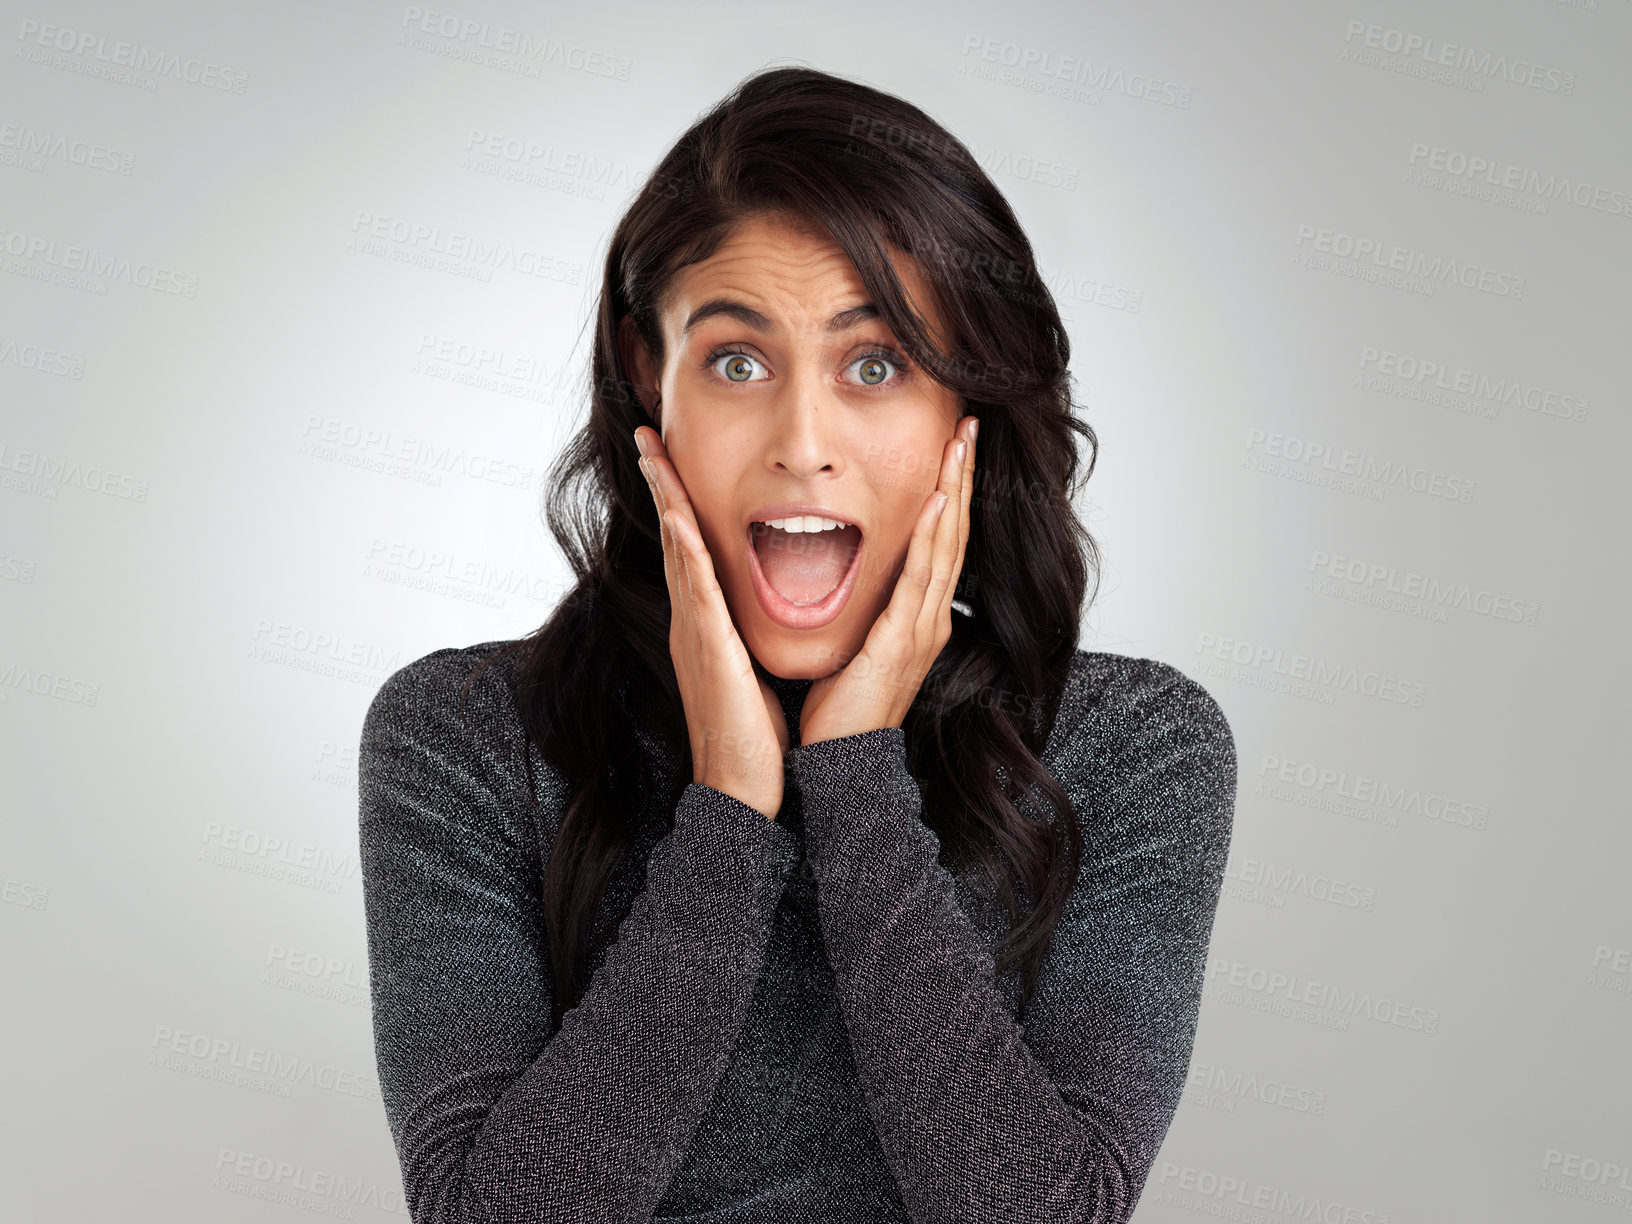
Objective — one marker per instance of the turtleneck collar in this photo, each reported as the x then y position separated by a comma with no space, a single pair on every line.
791,693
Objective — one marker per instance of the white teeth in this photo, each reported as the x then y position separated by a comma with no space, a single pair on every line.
805,522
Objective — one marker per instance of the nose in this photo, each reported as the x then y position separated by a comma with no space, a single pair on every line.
806,429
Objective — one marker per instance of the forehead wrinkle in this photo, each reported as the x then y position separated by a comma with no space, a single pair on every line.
755,280
758,252
848,318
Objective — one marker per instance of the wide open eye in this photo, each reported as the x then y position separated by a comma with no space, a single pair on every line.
877,367
733,365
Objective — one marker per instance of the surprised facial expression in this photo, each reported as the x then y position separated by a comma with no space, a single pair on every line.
787,400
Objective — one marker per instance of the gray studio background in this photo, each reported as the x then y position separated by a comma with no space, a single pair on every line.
292,320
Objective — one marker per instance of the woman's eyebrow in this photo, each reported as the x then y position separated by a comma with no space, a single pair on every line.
753,320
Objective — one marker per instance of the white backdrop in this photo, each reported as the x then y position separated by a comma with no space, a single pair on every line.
292,320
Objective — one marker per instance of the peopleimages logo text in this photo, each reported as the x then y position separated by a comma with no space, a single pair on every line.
130,55
1396,258
1464,59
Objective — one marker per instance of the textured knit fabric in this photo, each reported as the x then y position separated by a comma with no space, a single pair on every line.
790,1020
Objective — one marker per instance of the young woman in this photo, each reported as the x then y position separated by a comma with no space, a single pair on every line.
801,866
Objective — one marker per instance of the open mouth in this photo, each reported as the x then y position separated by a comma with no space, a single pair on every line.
803,568
804,558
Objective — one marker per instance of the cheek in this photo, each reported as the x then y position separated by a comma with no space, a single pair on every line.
710,492
897,536
904,465
903,478
903,472
717,531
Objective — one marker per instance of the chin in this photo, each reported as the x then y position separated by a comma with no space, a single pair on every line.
800,654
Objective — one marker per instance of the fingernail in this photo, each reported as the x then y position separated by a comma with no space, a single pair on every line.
941,505
974,428
640,441
963,450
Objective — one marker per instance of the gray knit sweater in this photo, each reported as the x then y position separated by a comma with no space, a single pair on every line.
791,1020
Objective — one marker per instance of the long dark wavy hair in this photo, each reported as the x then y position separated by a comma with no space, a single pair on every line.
875,172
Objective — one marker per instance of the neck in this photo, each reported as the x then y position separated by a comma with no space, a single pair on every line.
792,694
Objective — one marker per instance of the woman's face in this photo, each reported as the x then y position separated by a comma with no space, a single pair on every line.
783,389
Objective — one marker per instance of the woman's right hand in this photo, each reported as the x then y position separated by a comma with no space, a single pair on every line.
734,718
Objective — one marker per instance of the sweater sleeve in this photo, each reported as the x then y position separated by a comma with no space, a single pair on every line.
1058,1119
495,1118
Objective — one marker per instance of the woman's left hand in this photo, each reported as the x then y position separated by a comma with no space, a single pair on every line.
877,687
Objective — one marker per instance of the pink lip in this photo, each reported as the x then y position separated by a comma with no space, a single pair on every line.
792,615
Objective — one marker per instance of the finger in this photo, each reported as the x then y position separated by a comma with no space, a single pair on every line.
670,493
944,554
682,562
911,588
896,629
964,521
700,584
703,586
939,579
670,566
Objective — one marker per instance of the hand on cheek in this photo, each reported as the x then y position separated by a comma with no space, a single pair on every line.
877,687
734,718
